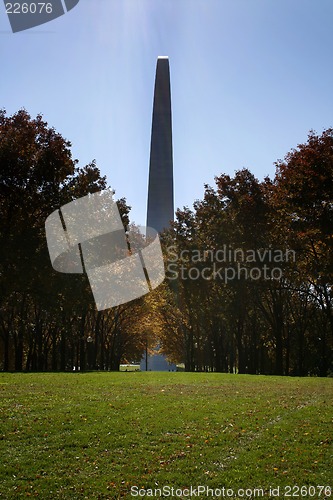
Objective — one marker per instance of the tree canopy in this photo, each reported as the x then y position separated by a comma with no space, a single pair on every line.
45,316
249,268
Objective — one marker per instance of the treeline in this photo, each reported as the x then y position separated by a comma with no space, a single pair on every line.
251,270
248,284
48,320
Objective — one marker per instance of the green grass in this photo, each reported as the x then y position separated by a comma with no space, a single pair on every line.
94,435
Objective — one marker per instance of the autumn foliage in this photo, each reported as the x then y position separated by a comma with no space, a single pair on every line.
209,318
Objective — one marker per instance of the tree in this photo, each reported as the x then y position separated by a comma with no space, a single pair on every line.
303,203
263,323
42,312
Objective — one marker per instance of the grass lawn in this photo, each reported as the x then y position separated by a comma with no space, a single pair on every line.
95,435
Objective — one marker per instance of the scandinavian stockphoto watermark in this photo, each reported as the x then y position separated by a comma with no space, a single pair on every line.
88,235
227,263
26,14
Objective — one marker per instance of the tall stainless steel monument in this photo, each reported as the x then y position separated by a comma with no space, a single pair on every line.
160,210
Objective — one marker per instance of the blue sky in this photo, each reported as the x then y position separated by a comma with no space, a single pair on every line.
249,79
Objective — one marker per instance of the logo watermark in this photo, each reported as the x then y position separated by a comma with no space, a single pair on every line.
87,235
26,14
